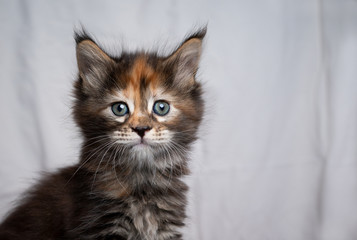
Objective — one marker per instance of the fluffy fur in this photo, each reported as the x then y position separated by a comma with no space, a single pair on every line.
128,182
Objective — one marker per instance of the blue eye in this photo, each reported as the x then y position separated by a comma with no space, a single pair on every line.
161,108
120,109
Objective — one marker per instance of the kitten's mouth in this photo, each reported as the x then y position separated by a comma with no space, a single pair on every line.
142,143
142,146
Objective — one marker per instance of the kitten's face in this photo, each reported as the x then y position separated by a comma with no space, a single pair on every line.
139,106
144,115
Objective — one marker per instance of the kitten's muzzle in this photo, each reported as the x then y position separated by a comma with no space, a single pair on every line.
140,130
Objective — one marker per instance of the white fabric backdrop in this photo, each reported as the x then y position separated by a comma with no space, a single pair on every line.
278,156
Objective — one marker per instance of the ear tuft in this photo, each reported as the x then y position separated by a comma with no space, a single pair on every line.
93,63
185,59
81,35
200,34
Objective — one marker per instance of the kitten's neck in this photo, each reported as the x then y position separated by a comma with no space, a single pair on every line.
137,180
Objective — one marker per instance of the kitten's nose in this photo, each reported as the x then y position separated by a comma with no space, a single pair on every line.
140,130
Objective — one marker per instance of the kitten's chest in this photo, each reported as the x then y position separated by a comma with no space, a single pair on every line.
159,220
146,219
133,220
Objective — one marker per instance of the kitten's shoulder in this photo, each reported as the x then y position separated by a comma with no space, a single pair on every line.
42,211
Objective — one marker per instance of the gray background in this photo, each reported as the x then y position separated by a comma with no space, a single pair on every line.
277,159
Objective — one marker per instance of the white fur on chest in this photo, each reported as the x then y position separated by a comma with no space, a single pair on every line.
145,220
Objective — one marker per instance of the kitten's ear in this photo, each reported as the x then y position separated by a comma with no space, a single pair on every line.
186,58
93,64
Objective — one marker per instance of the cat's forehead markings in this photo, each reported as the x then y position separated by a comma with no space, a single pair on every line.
141,76
139,70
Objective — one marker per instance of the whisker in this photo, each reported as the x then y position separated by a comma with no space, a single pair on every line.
115,172
98,149
108,146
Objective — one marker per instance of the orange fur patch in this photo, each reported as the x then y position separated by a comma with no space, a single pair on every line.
141,71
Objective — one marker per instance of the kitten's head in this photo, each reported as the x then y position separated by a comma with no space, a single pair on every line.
138,107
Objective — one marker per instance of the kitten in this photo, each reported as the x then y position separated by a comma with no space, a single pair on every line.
138,114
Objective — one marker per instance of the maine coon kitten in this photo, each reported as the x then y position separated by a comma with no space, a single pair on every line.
138,114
